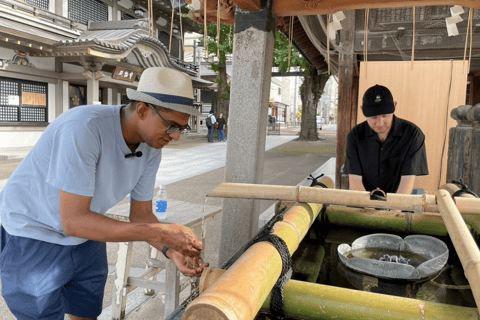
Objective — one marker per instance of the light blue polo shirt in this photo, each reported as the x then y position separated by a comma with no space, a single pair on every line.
81,152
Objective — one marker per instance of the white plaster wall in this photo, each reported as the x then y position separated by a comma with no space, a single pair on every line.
43,63
125,3
18,139
6,53
70,68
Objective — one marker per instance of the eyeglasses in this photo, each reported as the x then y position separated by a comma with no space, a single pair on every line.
170,129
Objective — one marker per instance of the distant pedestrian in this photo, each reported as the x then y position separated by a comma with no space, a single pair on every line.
221,127
210,121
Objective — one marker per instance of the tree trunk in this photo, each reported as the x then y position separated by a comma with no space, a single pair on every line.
222,96
310,93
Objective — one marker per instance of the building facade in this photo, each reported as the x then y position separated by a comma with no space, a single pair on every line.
59,54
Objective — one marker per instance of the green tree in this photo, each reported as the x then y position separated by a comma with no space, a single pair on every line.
221,99
310,90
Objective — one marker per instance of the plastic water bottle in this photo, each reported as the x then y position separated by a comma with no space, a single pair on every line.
160,204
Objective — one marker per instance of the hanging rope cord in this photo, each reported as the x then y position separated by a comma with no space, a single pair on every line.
413,39
365,39
205,39
171,27
218,29
469,32
151,29
290,39
181,24
329,16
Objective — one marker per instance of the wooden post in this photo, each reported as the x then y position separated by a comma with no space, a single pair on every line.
345,91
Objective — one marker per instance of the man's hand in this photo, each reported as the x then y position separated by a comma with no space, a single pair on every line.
181,239
190,267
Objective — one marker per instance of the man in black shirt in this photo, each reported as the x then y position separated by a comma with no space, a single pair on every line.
384,151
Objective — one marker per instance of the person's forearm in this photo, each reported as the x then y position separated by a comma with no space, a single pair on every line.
93,226
406,185
147,218
355,183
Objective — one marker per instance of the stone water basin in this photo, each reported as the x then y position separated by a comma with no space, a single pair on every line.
426,256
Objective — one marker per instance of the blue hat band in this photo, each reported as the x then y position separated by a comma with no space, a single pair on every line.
170,99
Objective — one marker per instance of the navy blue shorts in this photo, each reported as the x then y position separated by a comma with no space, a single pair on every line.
42,280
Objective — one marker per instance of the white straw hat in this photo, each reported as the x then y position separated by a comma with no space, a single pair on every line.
165,87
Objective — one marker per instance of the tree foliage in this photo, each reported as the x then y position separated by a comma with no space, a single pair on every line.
310,90
220,50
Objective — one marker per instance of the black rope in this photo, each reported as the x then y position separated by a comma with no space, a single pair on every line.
276,298
463,189
315,181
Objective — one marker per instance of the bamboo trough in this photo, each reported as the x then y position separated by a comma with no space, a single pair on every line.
241,291
418,203
462,239
304,300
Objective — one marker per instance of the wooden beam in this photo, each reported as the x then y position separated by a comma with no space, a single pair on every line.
249,5
282,8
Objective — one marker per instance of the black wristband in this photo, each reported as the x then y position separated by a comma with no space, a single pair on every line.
164,251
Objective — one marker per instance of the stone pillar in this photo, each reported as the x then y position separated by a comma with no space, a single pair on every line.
251,76
464,147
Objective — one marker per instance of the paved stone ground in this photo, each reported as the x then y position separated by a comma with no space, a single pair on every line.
287,164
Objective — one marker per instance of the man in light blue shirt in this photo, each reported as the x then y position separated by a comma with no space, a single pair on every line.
53,234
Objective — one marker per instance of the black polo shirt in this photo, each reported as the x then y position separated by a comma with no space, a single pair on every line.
382,165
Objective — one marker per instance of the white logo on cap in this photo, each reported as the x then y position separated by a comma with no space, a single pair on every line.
378,99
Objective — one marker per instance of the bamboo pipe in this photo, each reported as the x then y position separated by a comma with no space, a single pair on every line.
386,220
424,203
472,220
240,292
315,301
462,239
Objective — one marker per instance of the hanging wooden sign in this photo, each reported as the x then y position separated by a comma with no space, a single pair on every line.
124,74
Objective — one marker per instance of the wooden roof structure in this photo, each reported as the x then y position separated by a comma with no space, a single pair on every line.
431,31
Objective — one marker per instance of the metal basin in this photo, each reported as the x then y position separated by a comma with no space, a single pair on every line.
426,256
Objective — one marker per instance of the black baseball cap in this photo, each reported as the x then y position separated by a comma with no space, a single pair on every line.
377,100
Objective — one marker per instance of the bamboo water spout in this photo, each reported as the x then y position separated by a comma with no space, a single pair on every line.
423,203
463,241
240,292
303,300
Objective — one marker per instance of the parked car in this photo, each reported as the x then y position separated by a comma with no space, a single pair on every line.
320,122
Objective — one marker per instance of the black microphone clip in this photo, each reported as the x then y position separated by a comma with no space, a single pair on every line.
137,154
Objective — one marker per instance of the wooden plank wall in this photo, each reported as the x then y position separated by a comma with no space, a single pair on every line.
422,96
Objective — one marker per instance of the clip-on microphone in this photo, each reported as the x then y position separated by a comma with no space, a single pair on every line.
137,154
